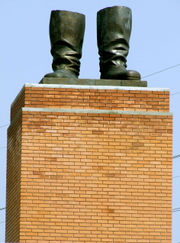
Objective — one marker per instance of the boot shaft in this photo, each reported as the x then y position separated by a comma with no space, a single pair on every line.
113,33
114,24
66,26
66,36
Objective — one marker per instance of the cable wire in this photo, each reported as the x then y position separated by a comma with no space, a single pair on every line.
176,156
176,177
2,209
5,125
160,71
176,210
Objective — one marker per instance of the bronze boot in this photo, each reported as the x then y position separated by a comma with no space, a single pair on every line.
66,36
113,33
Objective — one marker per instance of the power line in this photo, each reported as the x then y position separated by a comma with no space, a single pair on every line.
5,125
160,71
163,70
176,156
176,210
2,209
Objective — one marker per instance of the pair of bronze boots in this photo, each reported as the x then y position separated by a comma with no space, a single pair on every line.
113,33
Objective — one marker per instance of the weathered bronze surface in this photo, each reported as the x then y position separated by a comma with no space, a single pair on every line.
113,33
66,35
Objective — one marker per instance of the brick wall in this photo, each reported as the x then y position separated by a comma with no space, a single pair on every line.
142,99
13,186
93,174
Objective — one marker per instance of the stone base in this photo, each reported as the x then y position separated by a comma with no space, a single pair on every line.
104,82
89,164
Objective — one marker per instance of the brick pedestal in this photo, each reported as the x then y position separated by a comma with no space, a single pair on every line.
89,164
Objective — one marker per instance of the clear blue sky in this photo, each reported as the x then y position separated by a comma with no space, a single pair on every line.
25,58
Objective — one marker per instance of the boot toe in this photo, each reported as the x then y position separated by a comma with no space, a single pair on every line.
133,75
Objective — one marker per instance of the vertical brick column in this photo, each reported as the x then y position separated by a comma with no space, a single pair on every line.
89,164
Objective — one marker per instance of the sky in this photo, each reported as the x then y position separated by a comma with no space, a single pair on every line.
25,58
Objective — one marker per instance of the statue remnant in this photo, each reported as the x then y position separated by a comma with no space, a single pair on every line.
66,35
113,34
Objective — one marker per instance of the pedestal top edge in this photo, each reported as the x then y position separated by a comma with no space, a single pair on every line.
95,87
70,86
